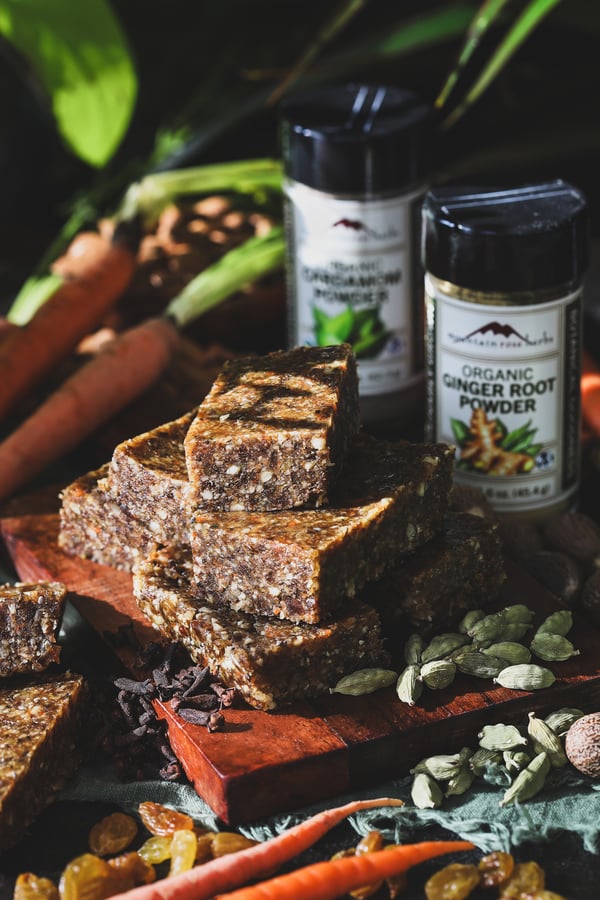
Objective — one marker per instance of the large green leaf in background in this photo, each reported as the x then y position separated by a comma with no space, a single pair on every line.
79,54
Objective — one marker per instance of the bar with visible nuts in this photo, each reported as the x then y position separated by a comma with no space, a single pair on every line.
30,617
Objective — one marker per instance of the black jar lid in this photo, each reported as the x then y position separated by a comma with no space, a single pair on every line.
356,138
528,238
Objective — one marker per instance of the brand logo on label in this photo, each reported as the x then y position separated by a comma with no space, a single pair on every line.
497,330
358,226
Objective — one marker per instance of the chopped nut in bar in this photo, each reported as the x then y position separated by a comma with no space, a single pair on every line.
42,739
271,663
303,565
461,568
274,430
30,618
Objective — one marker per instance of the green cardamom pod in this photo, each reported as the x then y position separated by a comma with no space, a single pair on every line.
438,674
547,741
529,782
514,631
364,681
483,758
469,619
518,612
501,737
477,663
443,645
552,647
425,792
516,760
561,719
559,622
460,783
511,651
441,767
489,628
413,649
408,687
525,677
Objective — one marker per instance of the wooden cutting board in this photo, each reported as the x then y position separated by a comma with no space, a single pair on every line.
263,763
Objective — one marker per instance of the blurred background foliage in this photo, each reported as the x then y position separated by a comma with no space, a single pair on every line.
209,75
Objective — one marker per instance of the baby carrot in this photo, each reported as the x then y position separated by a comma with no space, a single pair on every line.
228,872
28,353
335,877
122,370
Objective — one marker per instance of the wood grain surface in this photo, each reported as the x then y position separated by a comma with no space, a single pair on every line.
263,763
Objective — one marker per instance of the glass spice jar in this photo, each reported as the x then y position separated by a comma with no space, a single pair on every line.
503,299
356,159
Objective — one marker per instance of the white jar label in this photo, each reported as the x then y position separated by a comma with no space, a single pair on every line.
503,387
351,279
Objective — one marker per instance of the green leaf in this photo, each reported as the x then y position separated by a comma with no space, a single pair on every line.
80,55
32,295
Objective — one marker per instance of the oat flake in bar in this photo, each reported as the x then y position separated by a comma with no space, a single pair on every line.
302,565
42,739
271,663
273,431
30,617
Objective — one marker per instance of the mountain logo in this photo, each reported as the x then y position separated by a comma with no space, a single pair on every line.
497,330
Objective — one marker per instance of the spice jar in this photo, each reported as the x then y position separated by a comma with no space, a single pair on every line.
356,160
503,296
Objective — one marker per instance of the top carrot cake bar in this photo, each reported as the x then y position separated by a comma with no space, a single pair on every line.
273,431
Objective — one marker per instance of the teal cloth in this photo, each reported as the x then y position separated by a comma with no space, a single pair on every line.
569,802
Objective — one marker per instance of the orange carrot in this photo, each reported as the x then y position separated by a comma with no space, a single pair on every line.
31,351
335,877
590,394
225,873
120,372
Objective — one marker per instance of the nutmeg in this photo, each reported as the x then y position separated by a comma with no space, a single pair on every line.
558,572
582,744
590,597
576,534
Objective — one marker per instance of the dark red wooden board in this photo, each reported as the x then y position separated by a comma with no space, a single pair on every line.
263,763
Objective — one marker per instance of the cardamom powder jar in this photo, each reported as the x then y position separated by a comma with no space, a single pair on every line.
503,301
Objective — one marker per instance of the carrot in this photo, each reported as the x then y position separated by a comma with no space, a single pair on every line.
120,372
228,872
590,393
77,306
335,877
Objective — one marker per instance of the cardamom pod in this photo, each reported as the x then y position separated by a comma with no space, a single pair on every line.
425,792
529,782
552,647
525,677
514,631
515,760
489,628
469,619
518,612
477,663
460,783
441,767
438,674
545,740
408,687
413,649
511,651
501,737
443,645
364,681
559,622
483,758
561,719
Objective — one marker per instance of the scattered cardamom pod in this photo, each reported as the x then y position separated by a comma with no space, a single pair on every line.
408,686
515,760
443,645
529,781
525,677
483,758
460,783
477,663
364,681
425,792
514,631
552,647
438,674
547,741
469,619
413,649
511,651
559,622
501,737
561,719
518,612
490,628
441,767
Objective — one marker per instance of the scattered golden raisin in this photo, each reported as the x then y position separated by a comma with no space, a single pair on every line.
112,834
29,887
495,868
87,877
162,820
527,878
453,882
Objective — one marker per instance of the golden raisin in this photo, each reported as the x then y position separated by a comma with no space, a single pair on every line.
87,877
225,842
156,849
162,820
29,887
183,851
112,834
371,841
495,868
453,882
527,878
131,869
